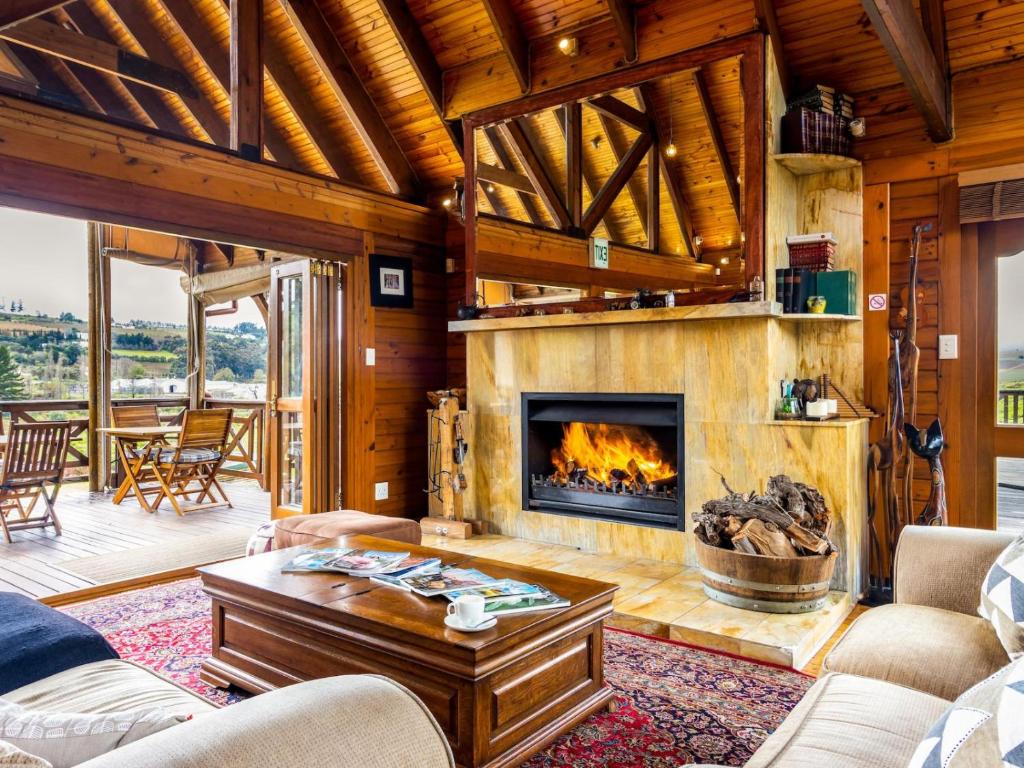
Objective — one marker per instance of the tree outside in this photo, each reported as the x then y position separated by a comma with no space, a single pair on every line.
12,386
224,374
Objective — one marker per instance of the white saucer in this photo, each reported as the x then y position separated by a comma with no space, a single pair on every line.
454,623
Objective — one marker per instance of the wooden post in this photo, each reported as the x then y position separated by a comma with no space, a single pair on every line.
247,78
195,351
469,210
573,116
98,359
752,82
360,385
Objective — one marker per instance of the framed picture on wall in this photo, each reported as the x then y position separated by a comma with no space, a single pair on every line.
390,281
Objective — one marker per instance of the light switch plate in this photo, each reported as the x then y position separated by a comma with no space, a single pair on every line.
949,349
380,491
371,356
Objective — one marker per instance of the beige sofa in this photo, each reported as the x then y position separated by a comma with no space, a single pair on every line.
359,721
898,667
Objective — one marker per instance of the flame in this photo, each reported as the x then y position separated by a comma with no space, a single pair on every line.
601,449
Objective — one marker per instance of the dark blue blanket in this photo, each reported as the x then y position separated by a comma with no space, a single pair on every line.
37,641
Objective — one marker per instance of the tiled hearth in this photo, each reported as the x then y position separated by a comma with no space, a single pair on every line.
666,600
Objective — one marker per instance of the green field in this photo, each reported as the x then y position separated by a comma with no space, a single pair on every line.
144,354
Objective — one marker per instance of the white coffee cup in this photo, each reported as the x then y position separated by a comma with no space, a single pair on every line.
468,610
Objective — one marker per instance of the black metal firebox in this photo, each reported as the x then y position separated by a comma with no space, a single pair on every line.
554,481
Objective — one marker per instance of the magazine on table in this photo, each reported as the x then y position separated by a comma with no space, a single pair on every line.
501,588
448,580
505,606
396,578
354,562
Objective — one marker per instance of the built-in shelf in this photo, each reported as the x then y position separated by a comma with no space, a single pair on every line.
804,164
822,317
828,424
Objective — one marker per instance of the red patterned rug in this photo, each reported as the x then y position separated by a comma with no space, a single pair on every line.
674,704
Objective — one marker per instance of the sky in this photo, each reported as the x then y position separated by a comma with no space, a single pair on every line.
44,263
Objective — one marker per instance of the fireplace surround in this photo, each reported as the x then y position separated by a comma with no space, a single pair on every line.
603,456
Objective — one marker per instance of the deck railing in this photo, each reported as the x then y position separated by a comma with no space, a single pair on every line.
1010,406
246,448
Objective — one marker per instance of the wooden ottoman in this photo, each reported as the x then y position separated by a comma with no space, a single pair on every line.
305,530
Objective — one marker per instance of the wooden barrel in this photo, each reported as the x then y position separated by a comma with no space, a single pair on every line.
762,583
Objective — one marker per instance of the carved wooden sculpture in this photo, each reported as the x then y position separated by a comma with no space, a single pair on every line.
928,445
910,358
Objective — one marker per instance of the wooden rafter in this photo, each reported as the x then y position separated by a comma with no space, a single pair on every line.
512,38
503,177
318,37
571,119
493,137
491,195
94,87
901,32
50,86
16,11
613,186
624,17
621,111
149,100
421,58
619,144
247,78
933,19
589,180
73,46
670,172
516,132
769,22
653,199
214,58
718,141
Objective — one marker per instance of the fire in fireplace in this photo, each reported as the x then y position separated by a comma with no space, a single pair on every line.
604,456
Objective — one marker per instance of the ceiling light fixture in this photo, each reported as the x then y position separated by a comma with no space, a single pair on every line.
569,46
490,188
447,202
670,148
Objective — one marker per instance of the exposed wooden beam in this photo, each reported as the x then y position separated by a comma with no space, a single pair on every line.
511,179
149,100
16,11
571,118
90,52
522,145
319,38
621,111
512,38
246,58
901,32
755,148
470,218
619,144
653,199
933,19
209,50
610,190
769,22
50,86
624,17
421,58
718,141
491,195
669,171
498,146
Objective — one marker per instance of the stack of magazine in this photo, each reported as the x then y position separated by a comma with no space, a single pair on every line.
425,576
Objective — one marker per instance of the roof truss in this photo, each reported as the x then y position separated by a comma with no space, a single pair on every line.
17,11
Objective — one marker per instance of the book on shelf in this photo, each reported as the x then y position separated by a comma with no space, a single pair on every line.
446,580
354,562
499,589
505,606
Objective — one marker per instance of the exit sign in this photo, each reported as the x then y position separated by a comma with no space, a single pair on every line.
598,253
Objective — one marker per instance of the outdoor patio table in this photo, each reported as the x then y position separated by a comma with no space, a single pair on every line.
134,458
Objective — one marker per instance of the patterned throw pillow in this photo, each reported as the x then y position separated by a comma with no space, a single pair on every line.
984,728
12,757
262,540
1002,597
66,740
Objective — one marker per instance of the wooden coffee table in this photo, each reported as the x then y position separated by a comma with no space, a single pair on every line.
500,695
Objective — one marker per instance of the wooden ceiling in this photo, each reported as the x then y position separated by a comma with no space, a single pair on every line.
366,90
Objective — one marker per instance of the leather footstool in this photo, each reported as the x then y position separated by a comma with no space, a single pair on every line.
313,529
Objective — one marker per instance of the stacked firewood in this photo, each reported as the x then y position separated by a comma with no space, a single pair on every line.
789,520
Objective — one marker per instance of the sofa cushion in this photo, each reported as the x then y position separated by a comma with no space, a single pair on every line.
108,686
67,739
984,727
37,641
12,757
846,721
1002,597
313,529
905,643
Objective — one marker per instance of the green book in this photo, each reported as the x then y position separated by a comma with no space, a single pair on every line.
840,291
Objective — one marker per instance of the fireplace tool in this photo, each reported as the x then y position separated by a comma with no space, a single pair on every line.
447,449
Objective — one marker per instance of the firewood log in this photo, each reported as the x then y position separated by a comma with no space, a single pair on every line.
766,539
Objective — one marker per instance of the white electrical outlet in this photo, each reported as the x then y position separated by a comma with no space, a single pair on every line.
371,356
380,491
948,346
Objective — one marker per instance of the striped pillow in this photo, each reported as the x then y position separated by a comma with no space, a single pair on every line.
1002,597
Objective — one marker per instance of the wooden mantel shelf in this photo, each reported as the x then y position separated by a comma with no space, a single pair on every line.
737,311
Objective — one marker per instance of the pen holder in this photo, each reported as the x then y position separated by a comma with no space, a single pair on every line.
788,408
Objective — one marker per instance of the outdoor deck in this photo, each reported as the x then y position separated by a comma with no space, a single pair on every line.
1010,499
103,542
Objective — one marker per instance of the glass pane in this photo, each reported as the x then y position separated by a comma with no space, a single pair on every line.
1010,400
291,337
1010,496
291,459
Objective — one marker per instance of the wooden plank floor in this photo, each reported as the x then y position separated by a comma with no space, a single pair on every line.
93,525
1010,501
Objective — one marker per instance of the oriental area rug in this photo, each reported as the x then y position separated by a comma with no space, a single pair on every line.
674,704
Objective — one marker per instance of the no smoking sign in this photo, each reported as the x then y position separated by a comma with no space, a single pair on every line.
878,301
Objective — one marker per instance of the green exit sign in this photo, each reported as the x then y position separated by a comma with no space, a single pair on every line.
598,253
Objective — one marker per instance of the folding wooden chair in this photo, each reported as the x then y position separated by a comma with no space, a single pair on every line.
191,466
33,462
133,455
